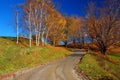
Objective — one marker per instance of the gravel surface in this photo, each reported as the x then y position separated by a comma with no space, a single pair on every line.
58,70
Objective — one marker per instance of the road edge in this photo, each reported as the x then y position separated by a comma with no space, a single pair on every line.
79,73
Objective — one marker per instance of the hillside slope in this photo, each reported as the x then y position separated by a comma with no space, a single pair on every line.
14,57
97,68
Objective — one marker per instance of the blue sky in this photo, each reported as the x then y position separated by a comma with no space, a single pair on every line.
7,18
69,7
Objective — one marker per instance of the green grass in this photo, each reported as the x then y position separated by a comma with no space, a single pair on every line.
96,68
14,57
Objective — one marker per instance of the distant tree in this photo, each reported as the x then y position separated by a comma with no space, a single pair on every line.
66,31
81,31
56,24
102,23
73,29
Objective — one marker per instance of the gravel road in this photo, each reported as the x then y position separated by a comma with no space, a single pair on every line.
58,70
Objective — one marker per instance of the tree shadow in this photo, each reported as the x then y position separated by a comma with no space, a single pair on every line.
76,55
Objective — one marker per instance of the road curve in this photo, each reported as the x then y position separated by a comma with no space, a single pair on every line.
59,70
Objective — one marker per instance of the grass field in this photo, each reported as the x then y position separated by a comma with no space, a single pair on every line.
96,68
14,57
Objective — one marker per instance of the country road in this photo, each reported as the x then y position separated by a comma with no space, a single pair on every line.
58,70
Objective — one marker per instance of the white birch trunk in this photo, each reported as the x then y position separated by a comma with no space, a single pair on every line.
40,27
43,38
17,27
36,36
30,40
29,26
39,35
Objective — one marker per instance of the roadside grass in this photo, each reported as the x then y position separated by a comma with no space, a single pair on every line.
14,57
96,68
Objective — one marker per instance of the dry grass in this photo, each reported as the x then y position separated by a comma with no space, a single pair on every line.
14,57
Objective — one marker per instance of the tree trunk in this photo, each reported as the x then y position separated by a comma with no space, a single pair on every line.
54,43
17,33
30,38
80,45
36,37
74,43
36,33
65,44
17,36
46,37
40,27
103,50
39,34
30,27
43,39
82,42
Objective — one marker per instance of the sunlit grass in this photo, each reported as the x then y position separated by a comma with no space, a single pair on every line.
96,68
14,57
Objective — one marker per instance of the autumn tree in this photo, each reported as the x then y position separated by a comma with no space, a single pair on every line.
74,29
69,30
66,31
102,23
35,12
81,31
55,25
71,23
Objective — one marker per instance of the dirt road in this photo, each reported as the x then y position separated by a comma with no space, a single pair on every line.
59,70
